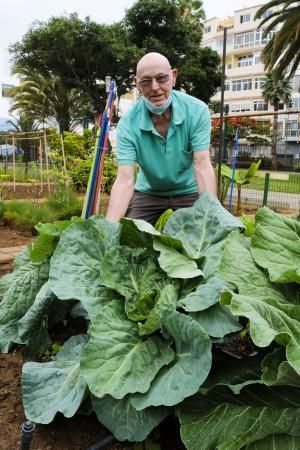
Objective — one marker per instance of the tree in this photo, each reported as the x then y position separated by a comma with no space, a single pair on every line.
46,100
171,28
80,52
275,92
283,50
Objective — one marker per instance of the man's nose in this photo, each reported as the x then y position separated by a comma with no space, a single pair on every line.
155,84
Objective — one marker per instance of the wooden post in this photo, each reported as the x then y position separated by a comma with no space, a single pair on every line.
6,157
47,160
14,163
63,154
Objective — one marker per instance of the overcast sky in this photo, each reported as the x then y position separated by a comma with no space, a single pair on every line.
17,15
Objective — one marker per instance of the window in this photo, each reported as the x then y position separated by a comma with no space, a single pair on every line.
229,66
245,18
245,61
244,40
257,60
5,90
237,107
267,14
260,106
252,38
295,103
242,85
296,83
259,83
208,29
227,86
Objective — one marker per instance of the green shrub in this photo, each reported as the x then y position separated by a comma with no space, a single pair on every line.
63,203
80,173
26,214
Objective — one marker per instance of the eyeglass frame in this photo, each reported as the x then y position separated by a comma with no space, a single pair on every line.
156,78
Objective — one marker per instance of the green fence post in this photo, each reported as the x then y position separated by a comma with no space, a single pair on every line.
266,189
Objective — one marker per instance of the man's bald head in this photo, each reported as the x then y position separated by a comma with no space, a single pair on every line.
152,59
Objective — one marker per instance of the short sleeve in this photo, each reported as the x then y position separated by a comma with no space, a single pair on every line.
126,150
200,130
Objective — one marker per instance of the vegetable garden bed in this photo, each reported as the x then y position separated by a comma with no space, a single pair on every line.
191,319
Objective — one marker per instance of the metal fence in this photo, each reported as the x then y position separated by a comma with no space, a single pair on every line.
279,189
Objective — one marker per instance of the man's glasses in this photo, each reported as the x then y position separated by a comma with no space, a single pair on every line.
160,79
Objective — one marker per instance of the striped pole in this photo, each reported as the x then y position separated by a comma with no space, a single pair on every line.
92,199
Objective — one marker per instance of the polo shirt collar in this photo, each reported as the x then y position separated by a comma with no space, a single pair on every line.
145,119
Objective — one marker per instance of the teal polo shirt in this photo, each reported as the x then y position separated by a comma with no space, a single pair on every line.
166,166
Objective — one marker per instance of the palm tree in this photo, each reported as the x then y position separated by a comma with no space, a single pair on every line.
47,101
283,50
275,92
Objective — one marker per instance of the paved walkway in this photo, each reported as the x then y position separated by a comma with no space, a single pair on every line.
7,255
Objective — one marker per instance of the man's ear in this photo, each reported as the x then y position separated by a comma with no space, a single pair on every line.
135,83
175,73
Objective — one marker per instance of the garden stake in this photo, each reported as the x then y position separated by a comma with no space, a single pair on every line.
236,148
91,201
27,434
103,443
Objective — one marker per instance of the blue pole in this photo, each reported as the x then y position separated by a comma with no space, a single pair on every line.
236,149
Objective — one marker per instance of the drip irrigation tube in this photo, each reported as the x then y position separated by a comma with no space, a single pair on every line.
103,443
27,431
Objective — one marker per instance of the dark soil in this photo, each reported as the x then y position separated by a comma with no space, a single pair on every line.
13,237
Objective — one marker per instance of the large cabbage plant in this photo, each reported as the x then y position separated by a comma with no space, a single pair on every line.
190,318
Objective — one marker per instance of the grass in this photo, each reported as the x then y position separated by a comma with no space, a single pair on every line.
290,186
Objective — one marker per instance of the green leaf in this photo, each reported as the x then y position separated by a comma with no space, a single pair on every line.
206,295
240,176
201,225
277,371
276,442
217,321
269,320
235,426
185,375
168,298
117,361
276,235
238,267
134,275
124,421
9,335
33,326
163,219
25,283
55,386
76,263
174,263
139,233
42,248
54,229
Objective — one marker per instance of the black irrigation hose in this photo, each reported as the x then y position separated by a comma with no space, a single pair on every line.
103,443
27,431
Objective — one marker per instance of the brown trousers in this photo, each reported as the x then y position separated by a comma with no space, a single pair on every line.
150,207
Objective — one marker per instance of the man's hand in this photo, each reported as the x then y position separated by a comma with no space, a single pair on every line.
204,172
121,193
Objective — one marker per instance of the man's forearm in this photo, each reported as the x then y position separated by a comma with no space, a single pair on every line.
205,179
120,197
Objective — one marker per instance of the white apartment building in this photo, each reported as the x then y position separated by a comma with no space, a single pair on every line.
6,82
245,73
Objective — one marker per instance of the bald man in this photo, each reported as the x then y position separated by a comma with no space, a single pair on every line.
167,133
